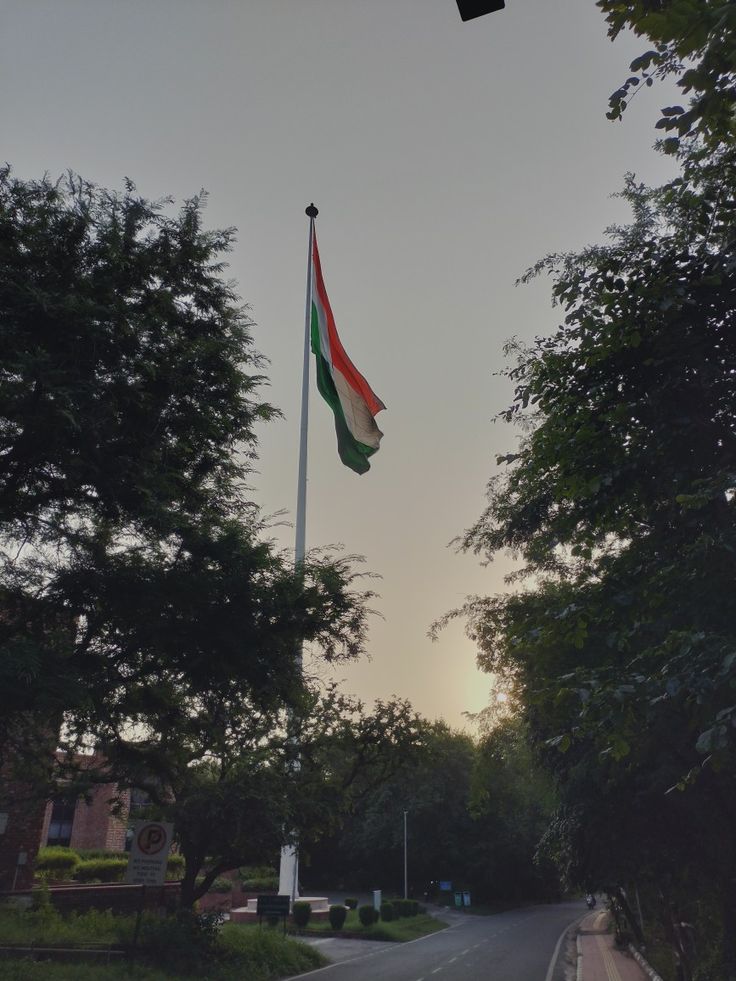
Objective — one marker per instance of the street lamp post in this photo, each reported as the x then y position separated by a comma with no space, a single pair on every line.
406,879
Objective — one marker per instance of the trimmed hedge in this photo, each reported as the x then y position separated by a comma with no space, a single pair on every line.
57,860
337,916
405,907
102,869
351,903
259,878
387,912
220,884
301,912
87,853
367,915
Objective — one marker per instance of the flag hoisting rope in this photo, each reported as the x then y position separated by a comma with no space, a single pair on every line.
354,405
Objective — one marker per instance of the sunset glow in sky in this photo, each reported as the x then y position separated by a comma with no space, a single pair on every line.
444,157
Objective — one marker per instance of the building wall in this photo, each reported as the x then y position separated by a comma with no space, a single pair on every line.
94,825
28,818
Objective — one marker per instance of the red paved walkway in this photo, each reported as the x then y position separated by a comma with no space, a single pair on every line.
601,961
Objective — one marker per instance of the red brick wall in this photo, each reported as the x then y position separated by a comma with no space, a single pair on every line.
94,826
118,897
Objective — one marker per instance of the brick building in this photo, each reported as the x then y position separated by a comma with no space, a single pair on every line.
88,822
27,823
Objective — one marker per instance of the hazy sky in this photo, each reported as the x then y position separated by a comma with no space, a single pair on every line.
444,157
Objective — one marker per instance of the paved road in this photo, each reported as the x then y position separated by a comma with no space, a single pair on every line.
518,945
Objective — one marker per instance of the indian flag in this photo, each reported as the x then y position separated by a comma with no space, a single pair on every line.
340,383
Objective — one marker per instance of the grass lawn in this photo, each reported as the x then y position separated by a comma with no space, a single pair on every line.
167,950
405,928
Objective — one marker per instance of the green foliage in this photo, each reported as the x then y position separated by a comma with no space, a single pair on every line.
174,866
46,925
87,853
261,955
402,930
134,574
367,915
337,916
696,43
221,884
619,500
476,812
170,948
187,942
58,860
259,878
101,870
301,912
351,903
387,912
31,970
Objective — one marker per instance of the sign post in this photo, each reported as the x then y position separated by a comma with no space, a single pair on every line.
149,853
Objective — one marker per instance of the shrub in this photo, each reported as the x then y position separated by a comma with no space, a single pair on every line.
221,884
186,943
387,912
337,917
301,912
367,915
397,905
259,878
103,869
86,853
175,866
351,903
60,862
413,907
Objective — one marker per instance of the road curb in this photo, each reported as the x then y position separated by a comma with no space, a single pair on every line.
643,964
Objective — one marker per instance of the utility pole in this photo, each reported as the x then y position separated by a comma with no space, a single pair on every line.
406,867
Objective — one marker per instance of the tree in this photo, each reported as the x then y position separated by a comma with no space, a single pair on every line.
237,784
476,812
620,500
128,415
694,41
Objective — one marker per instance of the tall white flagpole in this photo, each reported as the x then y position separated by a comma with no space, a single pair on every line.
301,494
289,866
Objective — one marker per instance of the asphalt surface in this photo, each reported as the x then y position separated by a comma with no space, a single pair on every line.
519,945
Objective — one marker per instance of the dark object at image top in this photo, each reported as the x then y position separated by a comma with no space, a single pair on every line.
470,9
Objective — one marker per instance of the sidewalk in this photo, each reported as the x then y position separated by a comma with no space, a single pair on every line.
598,959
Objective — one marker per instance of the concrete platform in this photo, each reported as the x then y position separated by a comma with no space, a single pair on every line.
248,914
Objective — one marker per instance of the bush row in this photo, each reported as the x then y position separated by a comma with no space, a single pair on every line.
56,862
390,910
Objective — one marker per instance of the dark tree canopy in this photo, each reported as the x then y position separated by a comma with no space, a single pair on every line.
620,501
135,575
694,41
128,380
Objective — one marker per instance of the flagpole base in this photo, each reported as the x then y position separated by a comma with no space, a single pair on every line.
289,872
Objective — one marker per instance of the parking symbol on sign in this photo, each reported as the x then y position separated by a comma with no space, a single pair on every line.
151,839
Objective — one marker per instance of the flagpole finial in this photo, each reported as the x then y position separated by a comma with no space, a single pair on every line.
311,211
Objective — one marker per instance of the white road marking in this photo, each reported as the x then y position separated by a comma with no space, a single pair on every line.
555,953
